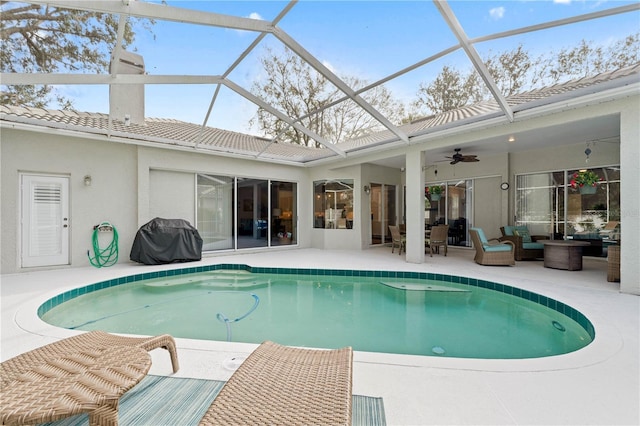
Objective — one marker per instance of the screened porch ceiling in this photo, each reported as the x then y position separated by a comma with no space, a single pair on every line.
432,34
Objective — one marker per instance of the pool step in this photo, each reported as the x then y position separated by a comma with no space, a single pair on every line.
422,286
233,283
226,275
173,281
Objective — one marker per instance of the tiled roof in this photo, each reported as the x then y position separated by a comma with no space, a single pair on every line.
168,132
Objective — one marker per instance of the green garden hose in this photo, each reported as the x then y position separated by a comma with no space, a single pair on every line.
109,255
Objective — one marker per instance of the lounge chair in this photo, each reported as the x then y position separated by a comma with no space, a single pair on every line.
397,239
15,366
439,238
492,251
610,231
279,385
527,245
82,374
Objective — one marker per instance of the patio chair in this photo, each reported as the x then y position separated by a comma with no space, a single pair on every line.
488,253
439,238
527,245
285,385
397,239
15,366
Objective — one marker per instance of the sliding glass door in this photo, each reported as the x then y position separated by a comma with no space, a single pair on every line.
383,212
453,207
238,213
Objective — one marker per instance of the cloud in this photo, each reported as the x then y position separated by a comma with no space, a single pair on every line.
497,13
255,15
329,66
562,1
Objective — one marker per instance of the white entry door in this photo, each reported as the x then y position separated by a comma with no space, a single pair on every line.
45,220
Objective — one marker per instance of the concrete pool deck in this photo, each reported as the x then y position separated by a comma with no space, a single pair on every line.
599,384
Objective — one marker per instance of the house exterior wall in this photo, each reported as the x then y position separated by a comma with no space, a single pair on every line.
130,186
336,239
172,195
124,194
630,196
111,196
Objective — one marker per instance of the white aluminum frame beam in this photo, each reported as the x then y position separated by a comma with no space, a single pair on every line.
142,9
262,104
473,55
237,62
324,71
75,79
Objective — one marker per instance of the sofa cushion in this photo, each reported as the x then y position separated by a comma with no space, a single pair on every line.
523,232
481,236
532,246
497,247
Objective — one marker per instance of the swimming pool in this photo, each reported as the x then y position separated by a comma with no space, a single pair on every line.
376,311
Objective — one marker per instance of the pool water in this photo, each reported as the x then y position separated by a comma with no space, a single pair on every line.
375,314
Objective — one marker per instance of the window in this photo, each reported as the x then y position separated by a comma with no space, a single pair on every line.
547,204
333,204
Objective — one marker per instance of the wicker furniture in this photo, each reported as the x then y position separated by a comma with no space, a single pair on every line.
613,263
279,385
527,246
397,239
491,251
563,254
85,381
13,367
438,237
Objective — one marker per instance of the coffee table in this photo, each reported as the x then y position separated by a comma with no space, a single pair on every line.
563,254
87,381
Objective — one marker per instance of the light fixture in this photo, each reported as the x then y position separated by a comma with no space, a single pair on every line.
587,152
87,180
511,139
367,189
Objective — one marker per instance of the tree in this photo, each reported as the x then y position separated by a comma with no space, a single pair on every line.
450,90
48,39
297,90
516,71
587,60
510,70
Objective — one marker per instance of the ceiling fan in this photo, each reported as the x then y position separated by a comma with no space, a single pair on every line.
457,157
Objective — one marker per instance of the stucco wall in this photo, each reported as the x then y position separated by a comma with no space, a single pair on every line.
122,191
111,196
172,195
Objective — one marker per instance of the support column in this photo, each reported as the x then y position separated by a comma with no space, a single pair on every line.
630,198
415,206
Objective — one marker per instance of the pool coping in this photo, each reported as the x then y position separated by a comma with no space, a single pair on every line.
607,341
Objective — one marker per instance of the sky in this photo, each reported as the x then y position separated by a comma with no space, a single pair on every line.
368,39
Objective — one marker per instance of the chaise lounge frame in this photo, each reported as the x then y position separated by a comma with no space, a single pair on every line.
15,366
278,385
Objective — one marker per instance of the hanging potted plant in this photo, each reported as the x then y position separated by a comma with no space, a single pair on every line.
435,192
585,181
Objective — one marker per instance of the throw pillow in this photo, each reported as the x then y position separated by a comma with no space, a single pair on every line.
524,233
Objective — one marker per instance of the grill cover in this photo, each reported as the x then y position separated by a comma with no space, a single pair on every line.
166,241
